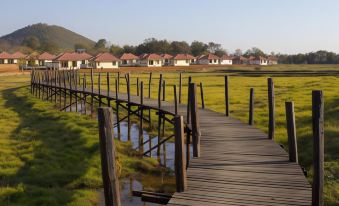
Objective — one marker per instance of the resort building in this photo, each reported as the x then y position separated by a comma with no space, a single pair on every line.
150,60
239,60
74,60
182,60
128,60
167,59
209,59
272,60
32,60
17,58
105,61
46,59
226,60
4,58
258,60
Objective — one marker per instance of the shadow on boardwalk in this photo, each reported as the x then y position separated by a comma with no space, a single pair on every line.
56,151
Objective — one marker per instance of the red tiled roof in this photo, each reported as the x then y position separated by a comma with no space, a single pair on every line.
210,56
46,56
74,56
5,55
241,58
260,58
128,56
273,58
183,57
151,57
226,57
166,56
18,55
32,57
105,57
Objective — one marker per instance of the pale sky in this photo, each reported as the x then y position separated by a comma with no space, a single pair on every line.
286,26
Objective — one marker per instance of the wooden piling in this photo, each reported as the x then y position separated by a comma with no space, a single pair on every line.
194,120
180,165
251,108
141,132
108,90
318,148
108,157
128,106
227,102
188,99
291,132
271,109
180,87
175,99
117,107
202,96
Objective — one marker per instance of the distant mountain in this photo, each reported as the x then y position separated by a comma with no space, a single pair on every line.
44,37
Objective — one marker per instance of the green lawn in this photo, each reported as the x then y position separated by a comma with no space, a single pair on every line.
297,89
49,157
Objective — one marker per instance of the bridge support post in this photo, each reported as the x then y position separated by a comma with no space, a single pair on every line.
194,119
251,108
318,148
271,109
108,157
291,132
180,165
227,103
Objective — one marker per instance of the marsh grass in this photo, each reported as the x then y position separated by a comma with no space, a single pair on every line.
50,157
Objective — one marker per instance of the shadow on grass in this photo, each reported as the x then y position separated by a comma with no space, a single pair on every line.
55,149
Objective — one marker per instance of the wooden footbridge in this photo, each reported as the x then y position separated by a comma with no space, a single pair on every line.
233,163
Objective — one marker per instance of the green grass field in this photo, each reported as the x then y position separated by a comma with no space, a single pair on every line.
49,157
297,89
21,147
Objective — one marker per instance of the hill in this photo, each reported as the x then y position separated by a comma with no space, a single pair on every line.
44,37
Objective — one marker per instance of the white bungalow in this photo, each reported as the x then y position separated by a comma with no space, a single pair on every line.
128,60
209,59
105,61
226,60
167,59
182,60
76,60
150,60
258,61
272,60
17,58
46,59
4,58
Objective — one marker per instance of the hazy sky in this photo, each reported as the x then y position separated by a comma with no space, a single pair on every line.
287,26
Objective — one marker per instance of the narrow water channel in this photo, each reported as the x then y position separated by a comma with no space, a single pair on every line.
162,183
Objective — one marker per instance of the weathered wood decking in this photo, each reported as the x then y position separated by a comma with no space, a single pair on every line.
239,165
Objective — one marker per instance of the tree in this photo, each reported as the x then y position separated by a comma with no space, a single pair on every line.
213,47
49,46
198,48
254,51
116,50
238,52
180,47
129,49
100,46
31,42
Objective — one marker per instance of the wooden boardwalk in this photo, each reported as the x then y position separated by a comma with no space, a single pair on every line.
239,165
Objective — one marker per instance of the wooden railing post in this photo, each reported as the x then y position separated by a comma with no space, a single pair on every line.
159,114
108,157
149,85
227,103
318,148
108,90
271,109
99,88
117,107
194,120
137,86
141,132
128,106
164,90
175,99
180,165
188,99
92,95
291,132
202,96
180,87
251,108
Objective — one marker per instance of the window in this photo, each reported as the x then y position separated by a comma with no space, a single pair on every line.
187,61
114,63
64,64
211,61
74,64
83,62
157,62
215,61
98,63
124,62
150,62
1,61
